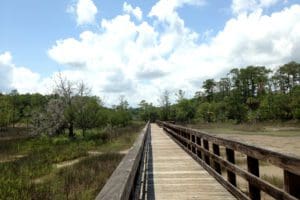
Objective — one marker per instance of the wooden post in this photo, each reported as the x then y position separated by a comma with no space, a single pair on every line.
206,146
230,175
198,141
253,168
193,142
292,183
190,139
216,150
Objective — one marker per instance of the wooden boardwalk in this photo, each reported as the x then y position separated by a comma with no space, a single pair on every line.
173,174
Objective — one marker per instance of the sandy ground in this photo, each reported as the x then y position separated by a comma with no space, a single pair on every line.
286,145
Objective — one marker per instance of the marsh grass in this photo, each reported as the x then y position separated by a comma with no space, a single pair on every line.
274,180
81,181
83,178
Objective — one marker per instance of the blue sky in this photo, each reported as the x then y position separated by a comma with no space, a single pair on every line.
31,27
129,47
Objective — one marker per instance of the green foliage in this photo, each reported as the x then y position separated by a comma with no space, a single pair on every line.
249,94
148,111
295,103
205,112
209,87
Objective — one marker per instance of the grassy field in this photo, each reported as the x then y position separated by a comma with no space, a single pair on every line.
28,166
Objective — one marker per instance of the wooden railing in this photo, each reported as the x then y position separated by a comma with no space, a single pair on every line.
198,143
126,182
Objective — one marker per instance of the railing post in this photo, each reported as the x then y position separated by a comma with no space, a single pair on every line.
193,144
206,146
198,141
230,175
216,150
292,183
190,139
253,168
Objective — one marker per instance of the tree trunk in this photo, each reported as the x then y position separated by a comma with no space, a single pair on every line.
71,131
83,132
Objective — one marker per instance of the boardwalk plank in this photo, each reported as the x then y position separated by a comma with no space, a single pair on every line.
173,174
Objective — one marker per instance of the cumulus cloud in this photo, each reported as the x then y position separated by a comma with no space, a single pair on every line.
6,72
85,11
245,6
140,59
261,39
137,12
13,77
166,9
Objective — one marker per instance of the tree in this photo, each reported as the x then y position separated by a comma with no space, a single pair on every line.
121,115
147,111
14,102
205,111
223,86
66,90
184,109
86,109
209,87
52,121
6,111
287,77
165,106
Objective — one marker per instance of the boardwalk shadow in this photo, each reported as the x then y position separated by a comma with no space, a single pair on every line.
150,185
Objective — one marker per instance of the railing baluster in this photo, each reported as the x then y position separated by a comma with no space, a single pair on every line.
292,183
206,146
216,150
230,175
199,154
189,138
253,167
193,142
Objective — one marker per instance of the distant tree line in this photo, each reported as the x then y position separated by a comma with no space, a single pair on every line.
249,94
70,107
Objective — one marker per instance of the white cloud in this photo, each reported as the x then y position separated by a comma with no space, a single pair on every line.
20,78
165,9
6,72
85,11
246,6
141,60
137,12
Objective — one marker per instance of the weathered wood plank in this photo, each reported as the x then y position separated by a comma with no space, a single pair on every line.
291,180
253,168
120,184
176,175
216,150
292,183
290,163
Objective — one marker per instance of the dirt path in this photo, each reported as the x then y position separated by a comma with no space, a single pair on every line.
6,138
11,158
69,163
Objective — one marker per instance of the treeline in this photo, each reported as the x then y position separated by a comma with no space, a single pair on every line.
70,107
249,94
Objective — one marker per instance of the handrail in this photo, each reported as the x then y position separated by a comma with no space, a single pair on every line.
121,184
197,144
